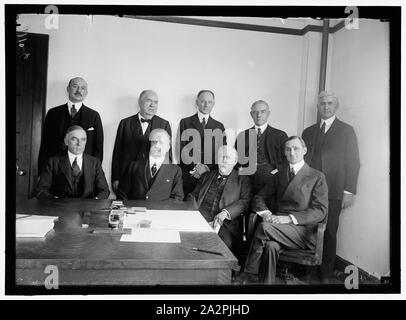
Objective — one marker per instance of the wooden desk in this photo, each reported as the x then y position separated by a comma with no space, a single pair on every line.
85,258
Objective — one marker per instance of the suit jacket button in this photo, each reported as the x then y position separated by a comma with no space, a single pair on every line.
146,197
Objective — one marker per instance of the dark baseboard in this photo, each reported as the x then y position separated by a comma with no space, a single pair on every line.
365,277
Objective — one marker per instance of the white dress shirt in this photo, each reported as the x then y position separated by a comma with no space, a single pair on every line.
157,161
201,116
263,128
328,122
78,105
79,159
144,125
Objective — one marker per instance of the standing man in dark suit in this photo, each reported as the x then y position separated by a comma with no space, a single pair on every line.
301,203
153,178
222,196
73,173
60,118
264,154
200,138
333,149
132,139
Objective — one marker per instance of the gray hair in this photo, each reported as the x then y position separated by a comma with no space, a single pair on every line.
327,93
160,130
296,137
73,128
258,102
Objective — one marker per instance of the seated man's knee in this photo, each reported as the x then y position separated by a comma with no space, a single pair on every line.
273,246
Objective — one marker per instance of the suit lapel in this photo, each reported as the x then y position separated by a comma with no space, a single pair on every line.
64,166
231,183
313,140
64,116
296,181
87,172
196,123
331,131
206,185
144,167
136,127
283,181
160,176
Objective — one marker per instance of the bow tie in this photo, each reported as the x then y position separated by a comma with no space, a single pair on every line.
220,177
145,120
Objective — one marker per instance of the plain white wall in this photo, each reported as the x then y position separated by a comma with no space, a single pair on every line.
119,57
360,77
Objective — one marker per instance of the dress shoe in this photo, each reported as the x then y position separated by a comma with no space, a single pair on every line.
244,278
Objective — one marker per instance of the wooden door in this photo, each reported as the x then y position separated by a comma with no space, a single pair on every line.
31,82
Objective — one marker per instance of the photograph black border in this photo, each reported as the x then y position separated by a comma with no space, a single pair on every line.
390,14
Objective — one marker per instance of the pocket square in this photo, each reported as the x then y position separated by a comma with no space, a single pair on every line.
90,129
274,171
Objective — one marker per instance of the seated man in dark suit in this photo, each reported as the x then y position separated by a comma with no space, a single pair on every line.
301,203
222,196
73,174
154,178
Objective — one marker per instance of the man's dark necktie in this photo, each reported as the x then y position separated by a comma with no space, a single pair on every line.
75,168
221,178
204,122
291,174
145,120
73,111
323,128
154,169
259,133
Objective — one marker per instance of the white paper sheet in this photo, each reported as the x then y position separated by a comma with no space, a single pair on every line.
33,225
151,235
191,221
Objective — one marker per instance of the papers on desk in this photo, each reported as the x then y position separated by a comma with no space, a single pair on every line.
191,221
163,225
32,226
151,235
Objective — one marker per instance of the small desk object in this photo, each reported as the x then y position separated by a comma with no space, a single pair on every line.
87,256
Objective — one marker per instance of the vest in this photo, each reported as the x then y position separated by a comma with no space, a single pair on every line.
209,207
77,184
316,161
150,179
261,159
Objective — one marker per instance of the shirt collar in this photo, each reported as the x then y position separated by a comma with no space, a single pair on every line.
201,116
141,117
157,161
73,156
328,121
78,105
297,166
263,127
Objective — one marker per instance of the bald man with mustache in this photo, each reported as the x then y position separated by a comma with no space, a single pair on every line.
74,112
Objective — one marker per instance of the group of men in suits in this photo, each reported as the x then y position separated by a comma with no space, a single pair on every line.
296,182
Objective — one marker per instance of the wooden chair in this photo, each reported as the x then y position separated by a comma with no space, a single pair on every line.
307,257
